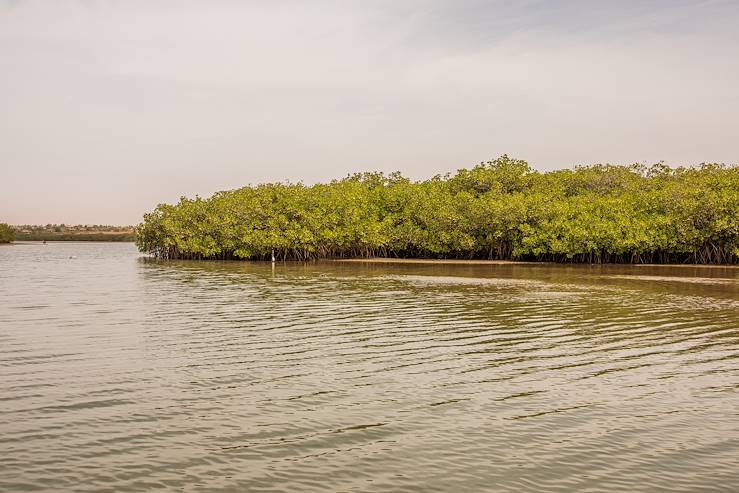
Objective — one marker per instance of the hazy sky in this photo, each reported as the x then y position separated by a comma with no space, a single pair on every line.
110,107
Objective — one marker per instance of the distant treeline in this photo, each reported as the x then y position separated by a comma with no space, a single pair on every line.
501,209
62,232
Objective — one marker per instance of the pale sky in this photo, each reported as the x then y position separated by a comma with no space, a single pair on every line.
110,107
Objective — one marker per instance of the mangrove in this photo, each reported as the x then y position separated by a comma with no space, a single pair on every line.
7,234
501,209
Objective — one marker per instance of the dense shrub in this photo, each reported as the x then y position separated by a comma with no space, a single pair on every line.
7,234
501,209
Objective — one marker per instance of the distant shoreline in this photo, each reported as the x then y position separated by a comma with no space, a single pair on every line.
79,232
112,236
72,240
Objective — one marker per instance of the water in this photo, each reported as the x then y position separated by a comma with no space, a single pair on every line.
122,374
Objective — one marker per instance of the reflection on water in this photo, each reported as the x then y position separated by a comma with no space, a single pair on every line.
119,373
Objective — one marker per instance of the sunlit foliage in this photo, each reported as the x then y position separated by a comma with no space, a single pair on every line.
7,234
501,209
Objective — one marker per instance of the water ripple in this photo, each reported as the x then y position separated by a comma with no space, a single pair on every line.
121,374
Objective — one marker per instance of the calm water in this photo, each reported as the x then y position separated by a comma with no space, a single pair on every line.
122,374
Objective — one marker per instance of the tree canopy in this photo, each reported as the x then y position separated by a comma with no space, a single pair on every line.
500,209
7,234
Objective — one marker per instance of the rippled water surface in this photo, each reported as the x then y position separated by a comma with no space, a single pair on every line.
119,373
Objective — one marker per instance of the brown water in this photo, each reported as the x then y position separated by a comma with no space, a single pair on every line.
122,374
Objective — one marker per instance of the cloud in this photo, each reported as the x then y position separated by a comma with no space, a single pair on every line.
140,102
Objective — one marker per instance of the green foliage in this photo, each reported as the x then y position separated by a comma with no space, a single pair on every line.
501,209
7,234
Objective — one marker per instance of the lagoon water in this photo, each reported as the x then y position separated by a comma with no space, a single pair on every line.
120,373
